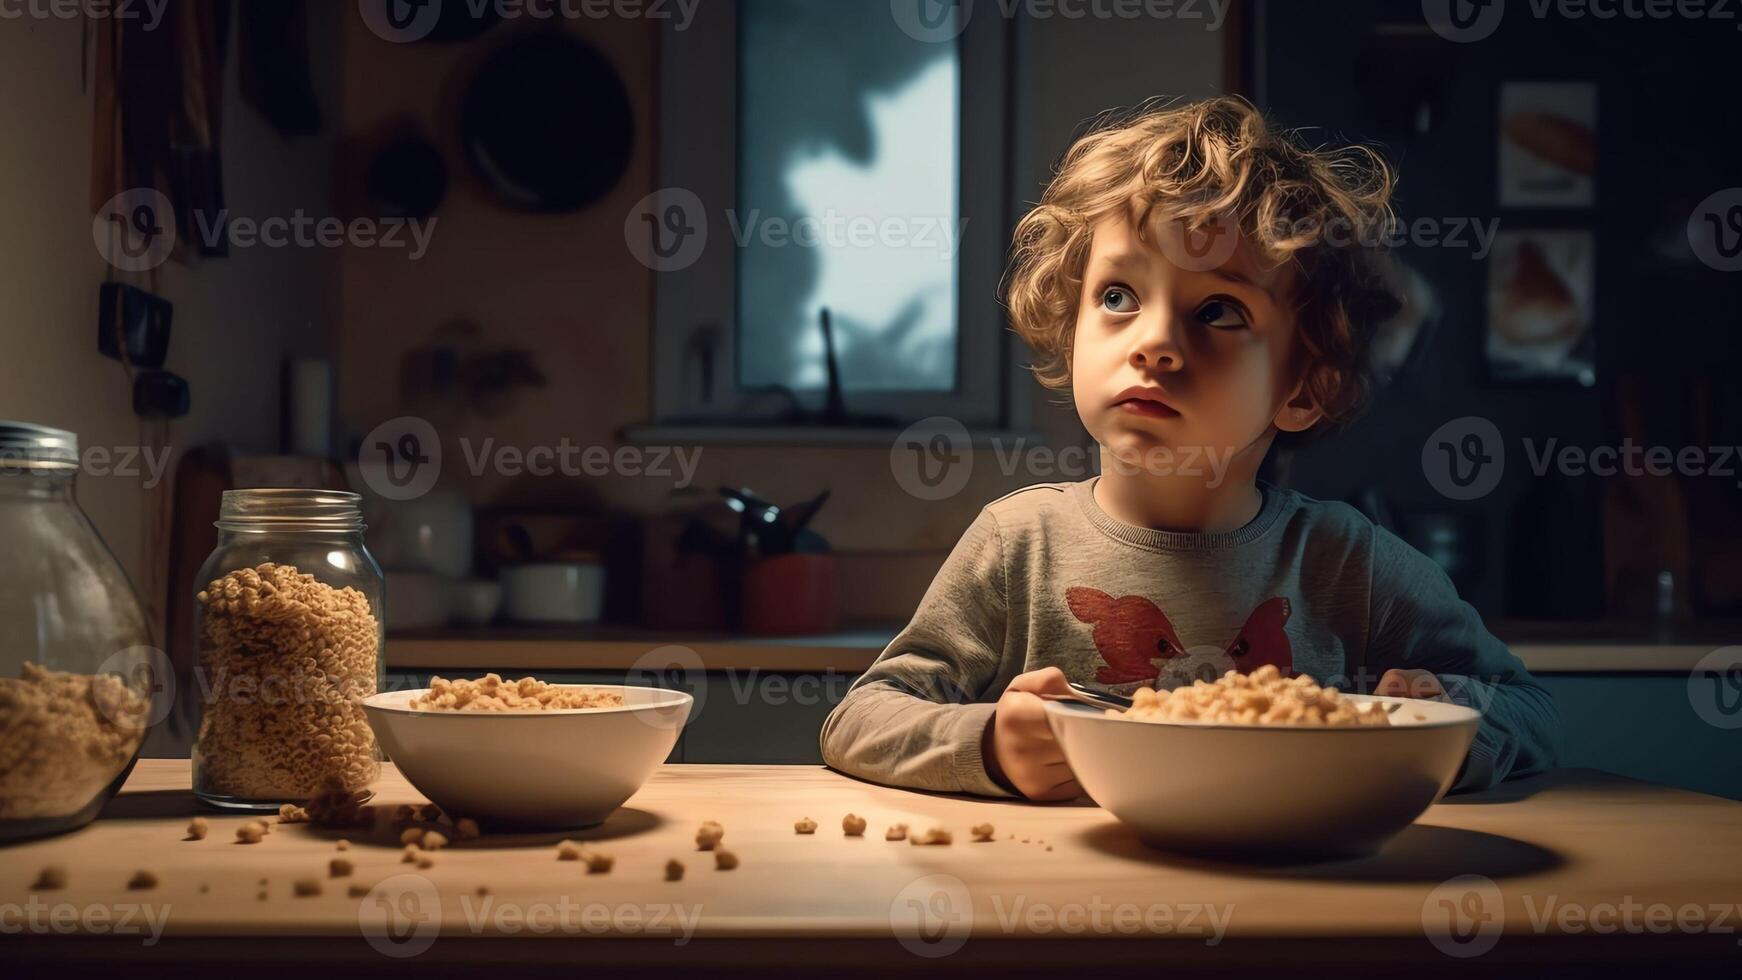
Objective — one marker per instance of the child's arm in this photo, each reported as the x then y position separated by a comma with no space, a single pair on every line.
1419,622
916,717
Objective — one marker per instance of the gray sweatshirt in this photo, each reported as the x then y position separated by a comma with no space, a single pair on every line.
1045,577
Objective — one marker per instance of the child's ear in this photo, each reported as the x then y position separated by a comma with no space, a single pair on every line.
1300,412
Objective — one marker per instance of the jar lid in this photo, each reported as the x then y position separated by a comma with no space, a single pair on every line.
290,509
37,446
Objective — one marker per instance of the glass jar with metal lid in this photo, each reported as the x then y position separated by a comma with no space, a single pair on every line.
288,633
79,683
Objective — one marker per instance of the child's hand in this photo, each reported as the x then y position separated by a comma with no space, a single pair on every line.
1410,684
1019,745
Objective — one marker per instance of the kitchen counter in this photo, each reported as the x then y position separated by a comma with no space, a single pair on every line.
1575,869
1545,648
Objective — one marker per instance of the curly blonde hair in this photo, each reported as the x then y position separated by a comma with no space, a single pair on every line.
1218,160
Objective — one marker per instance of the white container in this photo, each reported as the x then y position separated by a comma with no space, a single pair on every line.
1267,791
531,770
554,592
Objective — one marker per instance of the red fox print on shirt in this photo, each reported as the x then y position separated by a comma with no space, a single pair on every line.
1139,644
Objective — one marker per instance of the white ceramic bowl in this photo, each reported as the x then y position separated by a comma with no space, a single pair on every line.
533,770
1267,792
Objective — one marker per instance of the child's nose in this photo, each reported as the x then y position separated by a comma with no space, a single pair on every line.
1156,342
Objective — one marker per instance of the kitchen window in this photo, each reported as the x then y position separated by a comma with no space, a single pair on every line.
859,165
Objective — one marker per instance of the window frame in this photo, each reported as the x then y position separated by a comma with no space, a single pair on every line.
698,142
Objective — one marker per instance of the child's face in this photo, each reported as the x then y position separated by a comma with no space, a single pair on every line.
1214,346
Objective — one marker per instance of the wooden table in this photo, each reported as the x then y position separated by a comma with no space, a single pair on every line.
1575,869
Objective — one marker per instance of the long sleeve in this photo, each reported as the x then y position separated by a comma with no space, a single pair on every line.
1418,621
915,718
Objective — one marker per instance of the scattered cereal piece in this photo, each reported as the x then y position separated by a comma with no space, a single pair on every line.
51,878
936,835
412,835
340,868
568,850
897,832
982,832
435,840
466,828
142,880
411,853
305,887
805,826
426,862
336,806
357,890
674,870
291,813
708,837
598,863
342,845
197,828
853,825
250,832
724,860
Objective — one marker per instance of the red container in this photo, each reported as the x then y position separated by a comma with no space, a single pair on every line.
790,594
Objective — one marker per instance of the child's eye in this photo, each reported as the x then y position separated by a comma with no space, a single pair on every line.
1118,299
1222,314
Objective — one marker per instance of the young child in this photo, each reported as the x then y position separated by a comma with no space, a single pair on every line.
1201,283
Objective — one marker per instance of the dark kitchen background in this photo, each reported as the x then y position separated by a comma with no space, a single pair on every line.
557,168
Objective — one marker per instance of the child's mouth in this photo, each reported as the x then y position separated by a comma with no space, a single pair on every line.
1145,407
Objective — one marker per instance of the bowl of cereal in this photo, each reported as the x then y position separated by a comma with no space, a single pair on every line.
527,755
1260,766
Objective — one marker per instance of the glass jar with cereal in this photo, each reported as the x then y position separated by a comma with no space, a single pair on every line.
288,634
80,686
